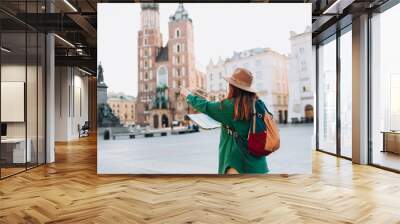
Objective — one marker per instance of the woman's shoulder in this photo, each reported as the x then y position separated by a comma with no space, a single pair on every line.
260,103
227,103
261,106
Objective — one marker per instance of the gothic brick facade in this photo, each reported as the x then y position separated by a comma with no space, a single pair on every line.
170,65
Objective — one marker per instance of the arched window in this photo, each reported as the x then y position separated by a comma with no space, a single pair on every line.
177,33
145,41
162,76
178,48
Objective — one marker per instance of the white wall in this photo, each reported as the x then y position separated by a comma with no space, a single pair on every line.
71,102
33,125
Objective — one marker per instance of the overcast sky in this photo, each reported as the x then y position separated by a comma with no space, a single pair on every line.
219,29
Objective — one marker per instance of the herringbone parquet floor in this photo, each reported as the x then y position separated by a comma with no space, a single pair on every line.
70,191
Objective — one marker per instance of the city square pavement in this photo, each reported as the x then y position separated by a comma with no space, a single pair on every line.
197,153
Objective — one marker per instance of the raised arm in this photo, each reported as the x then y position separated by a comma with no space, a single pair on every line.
211,108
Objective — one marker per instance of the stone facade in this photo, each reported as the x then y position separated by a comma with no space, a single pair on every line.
269,70
123,107
301,77
171,65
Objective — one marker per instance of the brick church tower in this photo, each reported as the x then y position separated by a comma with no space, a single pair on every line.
163,69
181,60
149,43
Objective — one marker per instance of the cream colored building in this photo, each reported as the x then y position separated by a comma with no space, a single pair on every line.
269,69
301,74
124,107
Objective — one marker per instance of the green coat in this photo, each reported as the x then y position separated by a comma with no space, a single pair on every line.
230,154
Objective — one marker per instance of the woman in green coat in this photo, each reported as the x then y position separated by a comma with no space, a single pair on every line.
234,113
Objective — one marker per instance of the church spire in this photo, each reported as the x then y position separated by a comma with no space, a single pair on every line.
180,14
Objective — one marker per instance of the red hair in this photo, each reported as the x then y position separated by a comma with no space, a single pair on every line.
243,100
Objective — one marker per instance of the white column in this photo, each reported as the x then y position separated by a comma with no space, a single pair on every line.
360,90
50,98
63,103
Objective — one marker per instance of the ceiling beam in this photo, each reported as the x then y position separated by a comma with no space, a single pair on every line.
81,61
84,24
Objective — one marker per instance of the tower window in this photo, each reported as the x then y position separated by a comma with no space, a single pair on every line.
145,41
178,48
177,33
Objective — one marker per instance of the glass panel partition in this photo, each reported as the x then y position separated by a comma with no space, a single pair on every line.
385,88
22,77
346,94
13,114
327,96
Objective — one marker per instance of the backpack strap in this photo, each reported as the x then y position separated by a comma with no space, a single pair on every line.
231,131
254,116
266,109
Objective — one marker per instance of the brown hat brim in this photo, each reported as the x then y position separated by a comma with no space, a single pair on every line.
238,85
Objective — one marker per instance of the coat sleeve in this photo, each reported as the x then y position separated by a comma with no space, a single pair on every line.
211,108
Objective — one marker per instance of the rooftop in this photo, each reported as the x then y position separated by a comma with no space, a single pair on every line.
120,97
151,6
163,54
180,14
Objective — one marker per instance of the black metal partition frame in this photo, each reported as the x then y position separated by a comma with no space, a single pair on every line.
34,52
333,37
339,32
382,8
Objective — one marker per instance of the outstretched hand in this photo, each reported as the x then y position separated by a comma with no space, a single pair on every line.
184,92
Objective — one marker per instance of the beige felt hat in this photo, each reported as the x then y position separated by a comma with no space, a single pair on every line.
242,79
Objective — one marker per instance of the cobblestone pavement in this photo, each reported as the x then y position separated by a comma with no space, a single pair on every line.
197,153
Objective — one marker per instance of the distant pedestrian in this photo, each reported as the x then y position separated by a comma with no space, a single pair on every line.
234,111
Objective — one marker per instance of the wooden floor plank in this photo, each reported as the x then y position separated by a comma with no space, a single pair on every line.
70,191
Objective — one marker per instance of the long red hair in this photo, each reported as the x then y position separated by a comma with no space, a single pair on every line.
243,100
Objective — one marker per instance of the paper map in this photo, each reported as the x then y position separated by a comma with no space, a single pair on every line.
204,121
